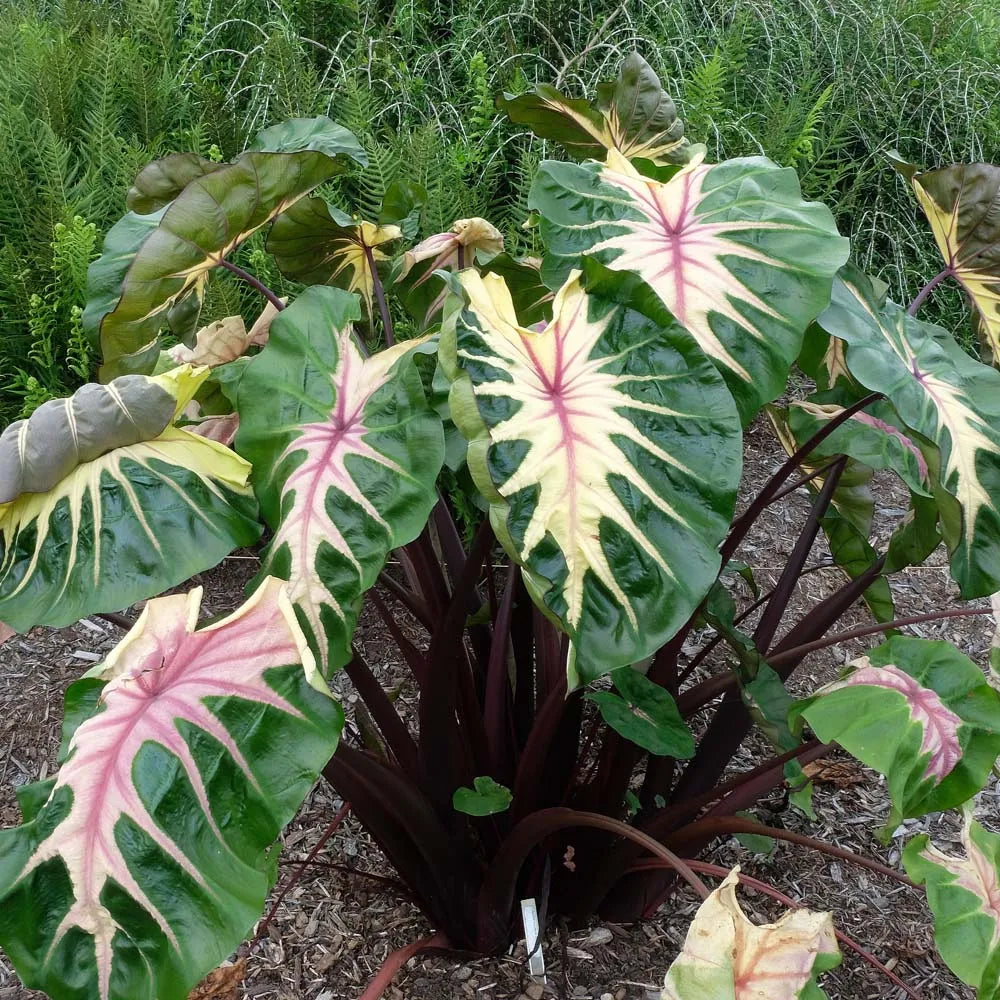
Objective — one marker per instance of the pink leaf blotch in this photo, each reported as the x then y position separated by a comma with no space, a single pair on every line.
975,873
727,957
162,672
940,724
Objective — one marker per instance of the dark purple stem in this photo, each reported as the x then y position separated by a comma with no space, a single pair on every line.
797,652
254,283
383,306
927,289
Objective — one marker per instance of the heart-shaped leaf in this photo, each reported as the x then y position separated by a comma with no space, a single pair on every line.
486,799
610,449
918,712
644,713
633,115
346,451
149,857
732,250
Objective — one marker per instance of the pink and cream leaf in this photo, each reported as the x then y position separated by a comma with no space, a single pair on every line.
964,895
944,395
346,453
148,862
728,957
732,250
918,712
610,450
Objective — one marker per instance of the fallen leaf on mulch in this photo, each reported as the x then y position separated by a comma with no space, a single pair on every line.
221,984
6,632
839,773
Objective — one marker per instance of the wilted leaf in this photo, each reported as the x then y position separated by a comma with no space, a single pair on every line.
216,344
726,957
221,984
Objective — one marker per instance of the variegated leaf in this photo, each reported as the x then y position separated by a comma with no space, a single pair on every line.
727,957
166,272
346,452
732,250
962,204
316,244
873,436
633,115
151,857
918,712
847,522
610,450
964,894
104,501
945,396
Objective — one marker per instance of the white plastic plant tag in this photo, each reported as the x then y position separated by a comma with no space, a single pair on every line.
532,940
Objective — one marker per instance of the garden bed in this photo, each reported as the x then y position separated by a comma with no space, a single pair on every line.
335,927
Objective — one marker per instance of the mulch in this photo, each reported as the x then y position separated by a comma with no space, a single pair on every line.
333,930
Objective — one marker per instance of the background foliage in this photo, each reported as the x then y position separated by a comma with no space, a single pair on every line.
90,90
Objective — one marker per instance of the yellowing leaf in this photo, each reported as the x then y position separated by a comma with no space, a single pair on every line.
727,957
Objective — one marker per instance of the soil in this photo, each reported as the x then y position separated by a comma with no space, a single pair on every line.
332,931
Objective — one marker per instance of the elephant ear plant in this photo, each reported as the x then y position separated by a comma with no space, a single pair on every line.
536,464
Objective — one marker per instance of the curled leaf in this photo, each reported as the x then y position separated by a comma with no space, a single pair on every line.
727,957
106,501
964,894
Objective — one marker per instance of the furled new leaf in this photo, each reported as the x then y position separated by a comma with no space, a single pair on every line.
727,957
945,396
207,221
104,501
151,855
732,250
346,451
918,712
962,204
316,244
633,115
610,450
964,894
644,713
